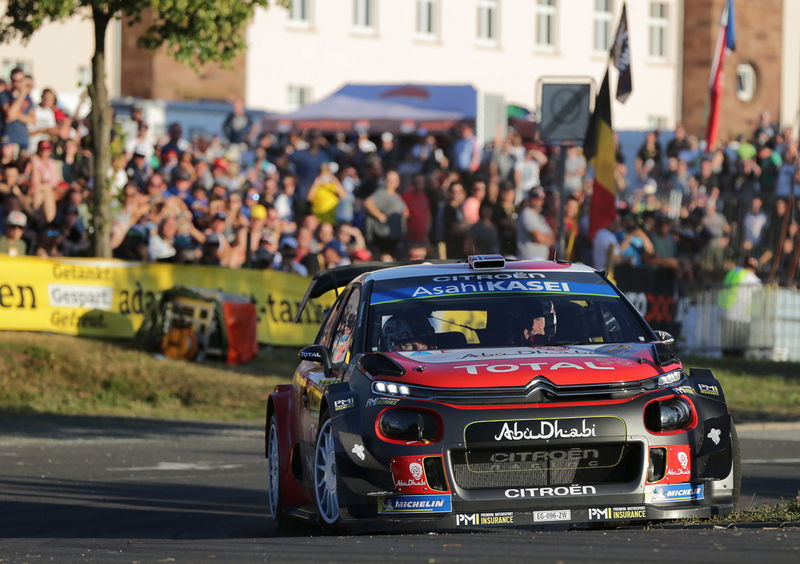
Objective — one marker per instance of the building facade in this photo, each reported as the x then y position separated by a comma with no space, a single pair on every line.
301,54
762,73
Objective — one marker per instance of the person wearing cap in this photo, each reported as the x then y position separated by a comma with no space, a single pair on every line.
335,254
50,242
12,243
182,188
138,170
389,153
534,235
286,258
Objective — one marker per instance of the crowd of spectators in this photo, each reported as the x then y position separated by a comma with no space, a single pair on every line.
304,201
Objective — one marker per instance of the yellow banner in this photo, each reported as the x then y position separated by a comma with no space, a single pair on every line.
109,297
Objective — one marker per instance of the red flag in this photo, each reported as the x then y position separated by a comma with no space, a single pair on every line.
726,41
599,150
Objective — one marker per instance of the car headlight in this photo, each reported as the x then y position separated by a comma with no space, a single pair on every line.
668,415
390,389
672,377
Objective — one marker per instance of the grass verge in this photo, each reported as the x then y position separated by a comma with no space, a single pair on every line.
44,373
756,389
787,511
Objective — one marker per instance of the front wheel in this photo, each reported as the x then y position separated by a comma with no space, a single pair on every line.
274,473
325,477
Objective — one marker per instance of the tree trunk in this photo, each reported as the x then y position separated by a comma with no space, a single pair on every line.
101,139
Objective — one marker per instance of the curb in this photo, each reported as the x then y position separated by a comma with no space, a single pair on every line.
746,525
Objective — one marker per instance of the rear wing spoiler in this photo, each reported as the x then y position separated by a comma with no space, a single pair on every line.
335,278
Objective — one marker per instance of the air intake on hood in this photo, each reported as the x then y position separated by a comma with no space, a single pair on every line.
486,262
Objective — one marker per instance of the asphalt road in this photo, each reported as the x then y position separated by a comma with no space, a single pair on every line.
118,490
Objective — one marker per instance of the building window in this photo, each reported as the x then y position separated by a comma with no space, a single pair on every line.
603,10
488,23
300,13
427,19
84,76
745,82
364,16
11,64
298,96
657,28
546,24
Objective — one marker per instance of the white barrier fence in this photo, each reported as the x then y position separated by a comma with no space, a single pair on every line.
761,322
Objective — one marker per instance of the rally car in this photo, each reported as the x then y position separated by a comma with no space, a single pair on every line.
488,393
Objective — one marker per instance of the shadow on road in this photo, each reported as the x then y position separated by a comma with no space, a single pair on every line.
86,509
66,427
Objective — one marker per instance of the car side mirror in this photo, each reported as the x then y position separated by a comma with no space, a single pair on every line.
665,338
317,353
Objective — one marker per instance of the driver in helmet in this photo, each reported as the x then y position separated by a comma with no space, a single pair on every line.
402,332
541,327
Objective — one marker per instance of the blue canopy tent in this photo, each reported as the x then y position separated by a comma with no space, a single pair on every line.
399,108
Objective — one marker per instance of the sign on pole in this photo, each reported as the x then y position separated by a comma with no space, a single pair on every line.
564,111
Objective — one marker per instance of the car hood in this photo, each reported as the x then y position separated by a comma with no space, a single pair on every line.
517,366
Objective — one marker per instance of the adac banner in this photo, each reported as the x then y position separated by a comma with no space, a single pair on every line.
108,298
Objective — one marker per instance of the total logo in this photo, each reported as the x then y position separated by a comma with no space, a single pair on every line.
416,504
536,367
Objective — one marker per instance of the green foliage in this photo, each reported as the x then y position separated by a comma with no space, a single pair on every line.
194,32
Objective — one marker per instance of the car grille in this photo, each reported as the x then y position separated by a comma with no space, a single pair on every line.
592,464
538,390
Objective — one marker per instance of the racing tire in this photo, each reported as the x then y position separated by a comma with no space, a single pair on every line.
325,477
736,465
274,474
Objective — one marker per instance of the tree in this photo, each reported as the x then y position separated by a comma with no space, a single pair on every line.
193,31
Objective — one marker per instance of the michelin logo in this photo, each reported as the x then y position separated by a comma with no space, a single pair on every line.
416,504
677,492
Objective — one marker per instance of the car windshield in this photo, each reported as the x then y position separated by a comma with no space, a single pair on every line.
524,310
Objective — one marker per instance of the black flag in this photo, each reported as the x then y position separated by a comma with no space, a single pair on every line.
621,55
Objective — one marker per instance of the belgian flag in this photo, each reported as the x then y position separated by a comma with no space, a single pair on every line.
599,151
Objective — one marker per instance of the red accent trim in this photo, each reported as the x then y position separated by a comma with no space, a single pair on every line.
400,467
386,439
532,405
673,460
692,422
292,492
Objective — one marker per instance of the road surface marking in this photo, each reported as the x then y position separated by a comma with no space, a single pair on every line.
170,466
